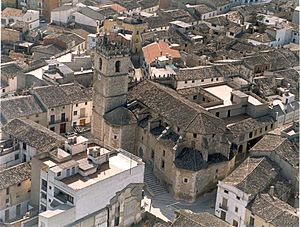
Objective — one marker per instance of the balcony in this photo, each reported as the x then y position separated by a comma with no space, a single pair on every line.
61,197
58,121
223,206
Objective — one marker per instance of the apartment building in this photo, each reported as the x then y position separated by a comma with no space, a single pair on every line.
99,186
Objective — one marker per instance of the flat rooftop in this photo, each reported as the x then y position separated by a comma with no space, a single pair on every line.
222,92
117,163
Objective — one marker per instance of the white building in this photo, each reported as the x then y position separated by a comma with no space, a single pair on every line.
11,15
241,186
91,41
285,108
79,185
63,14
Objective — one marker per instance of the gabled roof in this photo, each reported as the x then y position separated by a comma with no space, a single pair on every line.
253,176
280,146
188,218
20,106
15,175
197,73
177,110
52,96
91,13
34,134
157,49
12,12
274,211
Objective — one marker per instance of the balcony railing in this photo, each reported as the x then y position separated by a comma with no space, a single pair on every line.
223,207
61,197
58,121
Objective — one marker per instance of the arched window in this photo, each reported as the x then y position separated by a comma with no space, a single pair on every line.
118,66
100,63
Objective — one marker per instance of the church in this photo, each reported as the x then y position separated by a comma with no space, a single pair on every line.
172,135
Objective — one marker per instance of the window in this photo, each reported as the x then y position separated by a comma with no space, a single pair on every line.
63,117
152,154
217,170
52,119
115,137
185,82
238,198
52,129
16,156
185,180
44,185
162,164
194,97
271,125
74,124
50,187
212,79
193,81
178,129
228,113
260,130
75,113
59,174
7,191
250,134
100,63
218,114
235,223
225,191
236,209
3,90
118,66
266,128
43,195
85,103
68,172
7,200
217,79
252,220
202,80
195,135
164,153
77,105
24,146
36,115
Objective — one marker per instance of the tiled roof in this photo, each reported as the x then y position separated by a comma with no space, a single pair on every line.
157,49
197,73
120,116
274,211
177,110
249,124
34,134
12,12
188,218
14,175
253,176
20,106
280,146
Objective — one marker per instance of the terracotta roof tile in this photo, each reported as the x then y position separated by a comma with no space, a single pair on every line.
158,49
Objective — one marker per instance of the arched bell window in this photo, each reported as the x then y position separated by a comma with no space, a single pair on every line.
118,66
100,63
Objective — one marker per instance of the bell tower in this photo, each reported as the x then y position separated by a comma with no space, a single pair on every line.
110,81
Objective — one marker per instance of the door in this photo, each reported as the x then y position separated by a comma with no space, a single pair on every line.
62,128
6,215
18,210
82,122
223,215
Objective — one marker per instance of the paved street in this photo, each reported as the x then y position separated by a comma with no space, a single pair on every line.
163,205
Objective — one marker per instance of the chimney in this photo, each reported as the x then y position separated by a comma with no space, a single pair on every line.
272,190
